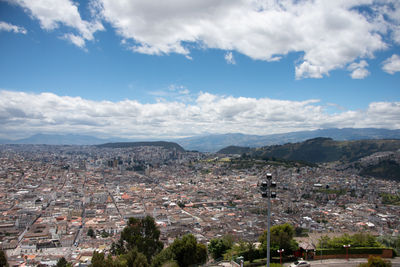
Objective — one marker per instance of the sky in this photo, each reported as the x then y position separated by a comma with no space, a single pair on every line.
178,68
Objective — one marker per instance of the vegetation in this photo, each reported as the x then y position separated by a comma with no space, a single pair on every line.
62,262
392,242
281,238
321,149
301,232
142,234
218,246
131,259
376,262
390,199
238,150
183,251
386,169
91,233
3,259
361,240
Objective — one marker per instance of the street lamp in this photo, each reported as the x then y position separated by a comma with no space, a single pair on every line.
347,251
280,254
266,186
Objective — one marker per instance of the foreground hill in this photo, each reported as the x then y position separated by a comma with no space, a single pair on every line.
321,149
166,145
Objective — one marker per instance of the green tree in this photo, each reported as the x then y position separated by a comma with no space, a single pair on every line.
281,238
238,249
143,234
166,255
98,259
62,262
91,233
136,259
217,247
117,248
201,253
376,262
356,240
3,259
184,251
390,241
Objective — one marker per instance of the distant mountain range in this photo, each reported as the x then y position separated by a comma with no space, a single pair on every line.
59,139
213,143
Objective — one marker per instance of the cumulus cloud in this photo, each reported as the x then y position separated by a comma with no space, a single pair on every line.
4,26
392,64
358,70
229,58
55,13
26,113
330,34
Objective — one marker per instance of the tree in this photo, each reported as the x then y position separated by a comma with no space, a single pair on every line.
136,259
3,259
62,262
281,238
356,240
184,251
90,233
217,247
166,255
201,253
98,260
143,234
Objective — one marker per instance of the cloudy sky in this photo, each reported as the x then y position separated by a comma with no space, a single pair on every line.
175,68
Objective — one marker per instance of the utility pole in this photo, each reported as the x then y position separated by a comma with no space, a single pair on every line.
266,186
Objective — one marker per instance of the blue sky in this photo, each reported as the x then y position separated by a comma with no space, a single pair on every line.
179,68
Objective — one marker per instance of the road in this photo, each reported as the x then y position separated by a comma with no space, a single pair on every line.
345,263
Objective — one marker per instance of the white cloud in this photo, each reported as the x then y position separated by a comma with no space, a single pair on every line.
331,34
392,64
229,58
358,70
75,39
328,35
4,26
54,13
23,114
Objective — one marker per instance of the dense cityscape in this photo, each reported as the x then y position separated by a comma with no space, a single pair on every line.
52,196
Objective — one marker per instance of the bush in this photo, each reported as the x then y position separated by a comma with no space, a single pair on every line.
376,262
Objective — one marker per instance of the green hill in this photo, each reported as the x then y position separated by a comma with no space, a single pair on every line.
319,150
166,145
230,150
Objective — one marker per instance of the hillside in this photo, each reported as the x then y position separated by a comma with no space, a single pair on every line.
319,150
166,145
234,150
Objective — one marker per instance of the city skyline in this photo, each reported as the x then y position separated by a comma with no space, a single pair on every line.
177,69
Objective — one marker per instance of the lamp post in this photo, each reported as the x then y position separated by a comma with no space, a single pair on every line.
266,186
347,251
280,254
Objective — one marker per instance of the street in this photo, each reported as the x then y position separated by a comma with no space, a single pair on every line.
345,263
